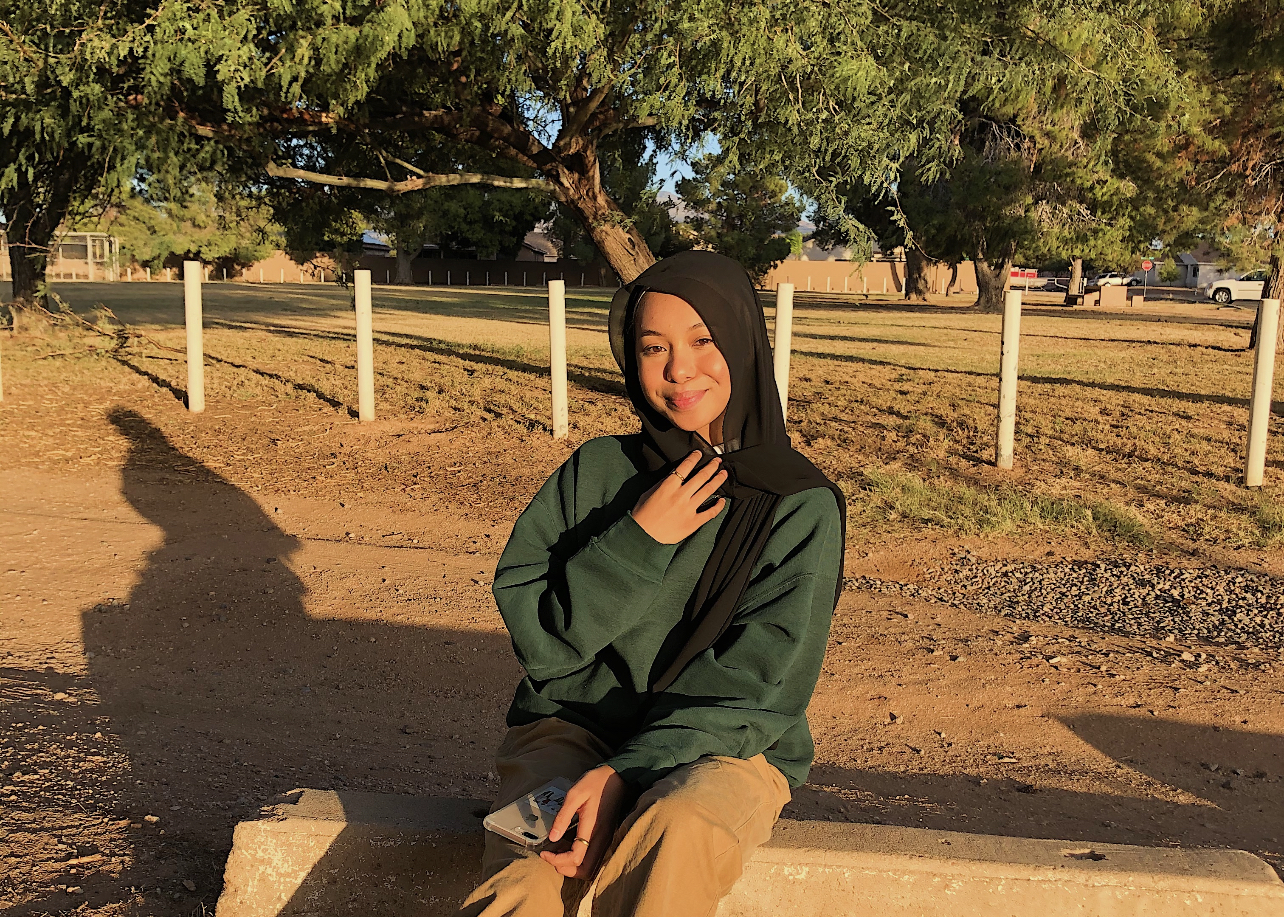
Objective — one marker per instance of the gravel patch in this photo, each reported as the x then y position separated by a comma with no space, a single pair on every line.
1133,599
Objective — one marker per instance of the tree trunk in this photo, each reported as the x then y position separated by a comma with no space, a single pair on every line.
917,285
32,224
990,282
405,265
1074,288
1273,289
576,175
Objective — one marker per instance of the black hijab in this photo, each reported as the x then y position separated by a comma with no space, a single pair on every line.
761,464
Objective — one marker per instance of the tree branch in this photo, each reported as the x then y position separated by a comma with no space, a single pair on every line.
413,184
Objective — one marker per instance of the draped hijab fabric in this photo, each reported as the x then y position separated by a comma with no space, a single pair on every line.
762,466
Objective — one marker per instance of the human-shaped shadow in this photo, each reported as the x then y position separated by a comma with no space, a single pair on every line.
226,692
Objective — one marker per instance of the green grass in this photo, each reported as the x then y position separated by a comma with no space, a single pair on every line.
897,497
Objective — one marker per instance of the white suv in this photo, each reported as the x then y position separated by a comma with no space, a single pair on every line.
1249,286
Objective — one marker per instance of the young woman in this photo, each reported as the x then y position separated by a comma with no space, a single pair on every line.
669,594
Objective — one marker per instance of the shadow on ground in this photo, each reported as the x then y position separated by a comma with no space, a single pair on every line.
223,691
1239,805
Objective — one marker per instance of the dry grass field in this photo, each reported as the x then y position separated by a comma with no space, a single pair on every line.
199,612
1129,431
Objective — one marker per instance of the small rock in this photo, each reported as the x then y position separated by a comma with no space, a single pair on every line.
189,885
151,819
894,718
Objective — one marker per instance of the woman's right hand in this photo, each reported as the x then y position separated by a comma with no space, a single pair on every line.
670,511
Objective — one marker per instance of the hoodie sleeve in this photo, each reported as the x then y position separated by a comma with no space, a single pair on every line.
563,604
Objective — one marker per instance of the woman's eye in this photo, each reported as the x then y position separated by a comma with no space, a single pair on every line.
653,349
702,341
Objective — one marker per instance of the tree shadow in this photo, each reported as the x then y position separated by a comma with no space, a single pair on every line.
586,377
225,689
1243,810
1277,407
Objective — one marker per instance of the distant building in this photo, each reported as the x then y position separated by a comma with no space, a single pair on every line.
537,246
1201,266
75,256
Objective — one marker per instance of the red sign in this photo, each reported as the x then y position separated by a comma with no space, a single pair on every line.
1147,264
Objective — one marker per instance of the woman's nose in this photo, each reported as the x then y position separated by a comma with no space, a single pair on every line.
681,365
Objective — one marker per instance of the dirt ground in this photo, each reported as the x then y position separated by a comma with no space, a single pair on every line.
198,613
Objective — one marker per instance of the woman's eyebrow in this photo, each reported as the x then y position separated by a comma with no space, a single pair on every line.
645,332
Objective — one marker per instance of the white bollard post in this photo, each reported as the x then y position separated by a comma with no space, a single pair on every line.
168,276
783,341
365,347
1259,405
884,284
505,278
195,336
388,278
225,275
1011,347
149,274
260,275
282,275
447,278
557,355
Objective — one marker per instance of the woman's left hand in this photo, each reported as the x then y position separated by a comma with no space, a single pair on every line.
597,798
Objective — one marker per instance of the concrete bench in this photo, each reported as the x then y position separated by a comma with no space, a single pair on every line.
327,853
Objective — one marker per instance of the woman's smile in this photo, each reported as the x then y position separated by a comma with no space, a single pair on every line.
684,401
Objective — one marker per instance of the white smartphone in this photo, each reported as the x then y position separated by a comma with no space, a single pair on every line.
528,820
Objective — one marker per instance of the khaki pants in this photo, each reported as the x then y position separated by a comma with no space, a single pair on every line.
677,852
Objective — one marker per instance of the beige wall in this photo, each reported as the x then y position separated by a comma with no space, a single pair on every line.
871,277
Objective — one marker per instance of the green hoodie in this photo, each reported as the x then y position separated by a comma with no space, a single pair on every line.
595,608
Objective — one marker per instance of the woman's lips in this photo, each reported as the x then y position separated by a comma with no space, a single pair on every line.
684,401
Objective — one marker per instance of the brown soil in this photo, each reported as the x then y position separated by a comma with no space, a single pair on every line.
200,613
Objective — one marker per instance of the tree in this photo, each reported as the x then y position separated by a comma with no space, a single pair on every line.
743,213
841,86
215,224
1036,169
1240,58
67,135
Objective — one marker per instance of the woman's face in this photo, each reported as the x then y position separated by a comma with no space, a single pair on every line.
682,372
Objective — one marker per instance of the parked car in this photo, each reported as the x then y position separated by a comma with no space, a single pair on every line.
1109,279
1249,286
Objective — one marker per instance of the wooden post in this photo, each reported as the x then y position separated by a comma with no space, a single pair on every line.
195,336
557,355
1011,347
1259,405
783,341
365,347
